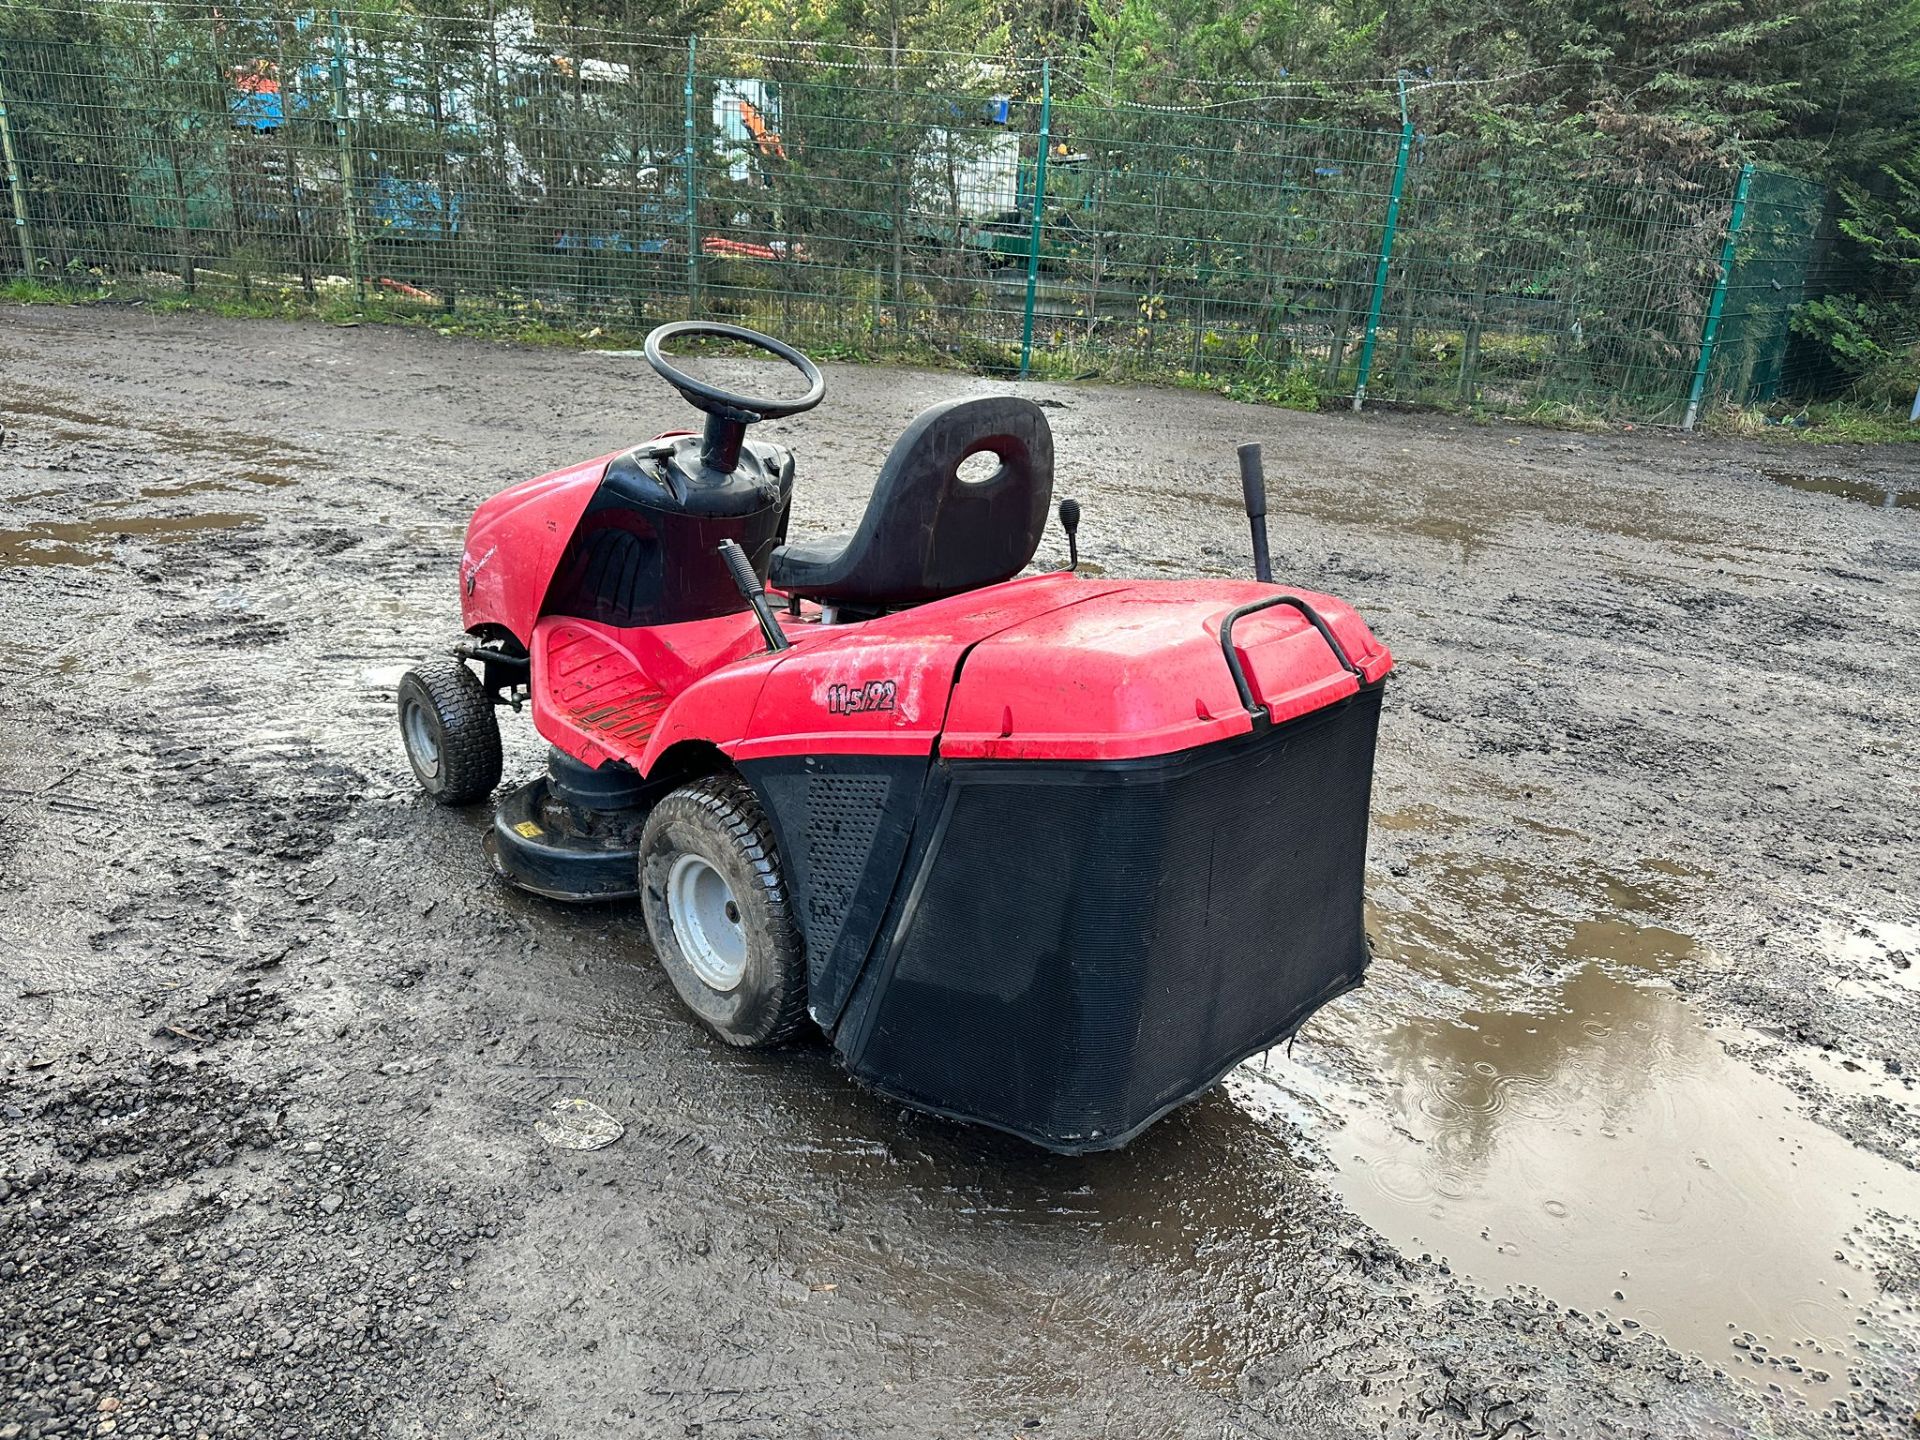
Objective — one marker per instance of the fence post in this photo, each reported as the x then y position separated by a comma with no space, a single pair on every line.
1710,332
692,190
1380,269
343,140
1039,211
17,185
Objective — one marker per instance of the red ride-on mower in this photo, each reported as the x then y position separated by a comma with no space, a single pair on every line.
1048,853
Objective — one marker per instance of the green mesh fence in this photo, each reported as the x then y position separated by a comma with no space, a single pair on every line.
1774,269
1000,213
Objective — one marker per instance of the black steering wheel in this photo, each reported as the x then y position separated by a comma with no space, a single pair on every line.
728,414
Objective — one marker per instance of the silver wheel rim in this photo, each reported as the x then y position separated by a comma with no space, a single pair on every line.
422,743
706,921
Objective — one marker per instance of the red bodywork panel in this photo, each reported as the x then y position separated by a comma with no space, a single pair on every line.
1048,667
515,541
514,544
1139,671
1045,667
601,693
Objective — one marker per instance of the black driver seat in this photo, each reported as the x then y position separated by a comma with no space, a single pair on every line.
928,533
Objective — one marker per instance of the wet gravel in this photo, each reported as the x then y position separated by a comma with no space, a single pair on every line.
274,1045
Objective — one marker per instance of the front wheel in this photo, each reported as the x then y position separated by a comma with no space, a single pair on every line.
449,729
716,907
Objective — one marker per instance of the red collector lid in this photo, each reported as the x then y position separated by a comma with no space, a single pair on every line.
1139,670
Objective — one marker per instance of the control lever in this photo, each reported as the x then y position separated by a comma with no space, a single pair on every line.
1070,522
1253,489
750,589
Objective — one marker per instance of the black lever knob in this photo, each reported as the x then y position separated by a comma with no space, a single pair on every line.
748,583
1253,480
1070,522
1253,489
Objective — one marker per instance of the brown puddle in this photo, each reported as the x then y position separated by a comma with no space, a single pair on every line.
1412,514
1417,818
1862,491
1543,1125
89,542
1590,1137
265,478
78,425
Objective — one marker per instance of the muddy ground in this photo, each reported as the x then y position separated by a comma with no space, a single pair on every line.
1620,1138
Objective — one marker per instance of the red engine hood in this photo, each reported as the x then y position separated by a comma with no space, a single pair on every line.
514,544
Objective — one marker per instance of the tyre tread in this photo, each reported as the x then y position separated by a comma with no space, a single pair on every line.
470,753
730,802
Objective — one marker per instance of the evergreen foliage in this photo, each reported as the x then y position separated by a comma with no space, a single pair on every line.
1637,99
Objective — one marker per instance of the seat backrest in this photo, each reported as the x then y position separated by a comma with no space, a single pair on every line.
928,533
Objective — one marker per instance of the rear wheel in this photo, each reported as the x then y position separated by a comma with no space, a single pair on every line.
716,907
448,727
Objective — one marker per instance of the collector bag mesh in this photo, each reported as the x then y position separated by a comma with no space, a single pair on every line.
1092,944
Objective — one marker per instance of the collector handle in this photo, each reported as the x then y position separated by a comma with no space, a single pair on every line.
1314,619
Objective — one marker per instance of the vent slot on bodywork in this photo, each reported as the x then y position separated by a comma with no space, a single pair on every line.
843,815
843,822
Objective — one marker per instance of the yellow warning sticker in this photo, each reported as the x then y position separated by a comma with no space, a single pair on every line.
528,830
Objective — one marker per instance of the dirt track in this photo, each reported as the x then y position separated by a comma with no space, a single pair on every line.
1643,1018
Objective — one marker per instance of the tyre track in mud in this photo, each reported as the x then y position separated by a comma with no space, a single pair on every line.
178,1198
237,921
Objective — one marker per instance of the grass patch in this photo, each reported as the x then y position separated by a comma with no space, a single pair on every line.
1288,387
1824,422
34,292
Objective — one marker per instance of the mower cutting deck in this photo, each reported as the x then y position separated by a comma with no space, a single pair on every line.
1047,853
